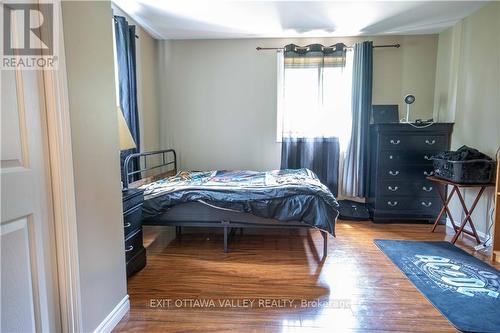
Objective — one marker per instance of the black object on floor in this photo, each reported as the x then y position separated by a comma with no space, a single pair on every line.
352,210
463,288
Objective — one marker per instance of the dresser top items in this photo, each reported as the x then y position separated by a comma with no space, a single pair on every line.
445,127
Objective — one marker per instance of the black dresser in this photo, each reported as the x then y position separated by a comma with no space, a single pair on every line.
399,163
135,253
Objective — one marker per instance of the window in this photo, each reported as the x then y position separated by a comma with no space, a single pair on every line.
315,101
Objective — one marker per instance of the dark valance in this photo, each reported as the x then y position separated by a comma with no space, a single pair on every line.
315,55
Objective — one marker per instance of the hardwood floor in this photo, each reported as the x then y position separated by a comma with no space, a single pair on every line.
359,289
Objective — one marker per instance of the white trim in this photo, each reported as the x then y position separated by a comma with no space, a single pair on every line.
280,79
114,317
450,231
63,191
125,7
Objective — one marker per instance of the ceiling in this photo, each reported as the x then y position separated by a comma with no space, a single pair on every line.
215,19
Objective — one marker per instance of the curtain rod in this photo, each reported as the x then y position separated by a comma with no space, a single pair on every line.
258,48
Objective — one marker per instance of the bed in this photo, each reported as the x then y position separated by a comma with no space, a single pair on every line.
230,199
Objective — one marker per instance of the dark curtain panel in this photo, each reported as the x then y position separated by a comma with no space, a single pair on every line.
127,82
320,155
355,172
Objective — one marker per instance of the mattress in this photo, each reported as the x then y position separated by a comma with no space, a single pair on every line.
288,196
200,212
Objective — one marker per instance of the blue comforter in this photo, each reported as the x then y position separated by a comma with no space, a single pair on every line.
285,195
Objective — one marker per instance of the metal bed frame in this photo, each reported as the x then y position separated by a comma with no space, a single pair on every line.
228,225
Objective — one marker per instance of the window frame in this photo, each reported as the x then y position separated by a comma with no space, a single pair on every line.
280,93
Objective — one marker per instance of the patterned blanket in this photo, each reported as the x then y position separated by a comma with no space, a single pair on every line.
285,195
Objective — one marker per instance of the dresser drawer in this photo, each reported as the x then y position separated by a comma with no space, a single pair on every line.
131,198
413,142
137,262
396,157
394,203
133,244
428,206
395,188
405,188
405,172
132,220
426,189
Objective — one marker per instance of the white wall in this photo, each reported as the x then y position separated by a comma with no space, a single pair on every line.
94,133
447,68
219,96
468,92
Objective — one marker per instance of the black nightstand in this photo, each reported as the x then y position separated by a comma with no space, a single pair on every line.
135,253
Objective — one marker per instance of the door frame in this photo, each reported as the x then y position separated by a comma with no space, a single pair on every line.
62,180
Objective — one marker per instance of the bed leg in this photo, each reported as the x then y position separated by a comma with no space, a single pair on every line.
325,243
178,232
225,239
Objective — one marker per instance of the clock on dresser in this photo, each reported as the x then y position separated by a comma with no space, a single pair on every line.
135,253
400,161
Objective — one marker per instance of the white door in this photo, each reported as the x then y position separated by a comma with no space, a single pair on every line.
29,294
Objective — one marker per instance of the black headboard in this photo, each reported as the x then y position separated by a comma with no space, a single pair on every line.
168,158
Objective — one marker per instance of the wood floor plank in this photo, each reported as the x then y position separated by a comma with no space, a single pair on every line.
356,289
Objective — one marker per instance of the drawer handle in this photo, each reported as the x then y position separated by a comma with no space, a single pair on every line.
393,189
428,173
430,143
393,173
427,189
427,158
397,142
129,248
127,225
392,204
426,204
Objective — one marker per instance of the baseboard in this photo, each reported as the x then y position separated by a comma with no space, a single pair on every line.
114,317
449,230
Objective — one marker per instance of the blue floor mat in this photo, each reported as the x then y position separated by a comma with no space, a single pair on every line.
463,288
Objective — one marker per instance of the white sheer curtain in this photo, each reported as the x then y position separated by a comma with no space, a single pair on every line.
315,101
